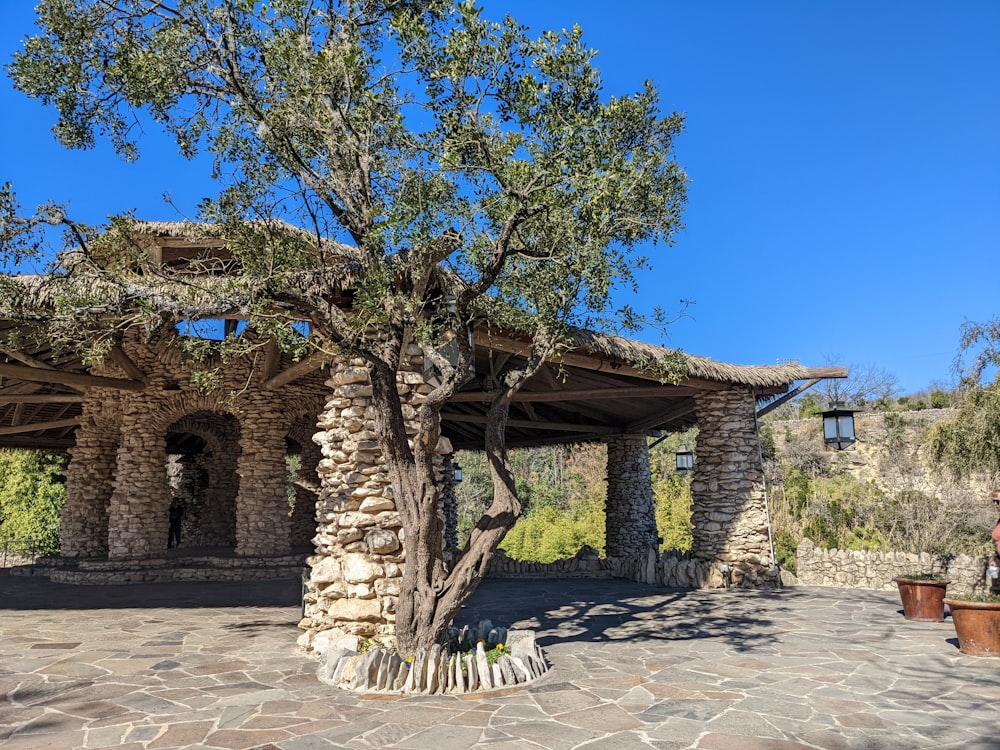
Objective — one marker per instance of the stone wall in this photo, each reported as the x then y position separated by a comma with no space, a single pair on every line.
160,569
875,570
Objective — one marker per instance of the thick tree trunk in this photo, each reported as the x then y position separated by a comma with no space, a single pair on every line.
430,594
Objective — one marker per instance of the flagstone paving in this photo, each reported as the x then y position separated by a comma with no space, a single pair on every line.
214,665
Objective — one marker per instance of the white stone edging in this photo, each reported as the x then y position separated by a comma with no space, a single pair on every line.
436,671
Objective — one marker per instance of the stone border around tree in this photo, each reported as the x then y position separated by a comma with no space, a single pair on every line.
436,671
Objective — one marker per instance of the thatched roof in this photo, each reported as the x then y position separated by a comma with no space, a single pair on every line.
634,352
600,385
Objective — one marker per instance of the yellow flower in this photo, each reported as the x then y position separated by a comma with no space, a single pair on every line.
499,647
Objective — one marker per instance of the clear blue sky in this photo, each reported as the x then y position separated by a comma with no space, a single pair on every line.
844,158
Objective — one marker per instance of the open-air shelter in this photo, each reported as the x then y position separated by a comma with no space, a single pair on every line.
142,431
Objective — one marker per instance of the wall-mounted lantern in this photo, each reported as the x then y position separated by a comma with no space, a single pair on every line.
685,460
456,473
838,426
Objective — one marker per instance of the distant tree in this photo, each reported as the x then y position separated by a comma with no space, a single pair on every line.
971,442
866,386
447,169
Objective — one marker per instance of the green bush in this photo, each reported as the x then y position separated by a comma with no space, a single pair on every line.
32,493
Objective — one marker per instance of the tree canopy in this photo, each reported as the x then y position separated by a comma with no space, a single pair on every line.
434,168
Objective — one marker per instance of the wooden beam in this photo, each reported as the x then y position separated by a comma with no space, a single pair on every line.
662,417
37,443
18,414
43,398
272,360
594,363
584,394
300,369
17,429
26,359
72,379
130,368
787,397
525,424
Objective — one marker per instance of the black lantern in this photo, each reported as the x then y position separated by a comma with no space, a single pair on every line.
456,473
838,426
685,460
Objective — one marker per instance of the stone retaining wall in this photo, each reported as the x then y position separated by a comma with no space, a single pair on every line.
669,570
157,570
875,570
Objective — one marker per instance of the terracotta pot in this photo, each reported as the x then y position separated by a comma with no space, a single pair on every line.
923,600
977,625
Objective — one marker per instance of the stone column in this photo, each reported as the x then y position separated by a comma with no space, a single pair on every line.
262,504
630,512
729,514
90,479
303,520
138,514
356,571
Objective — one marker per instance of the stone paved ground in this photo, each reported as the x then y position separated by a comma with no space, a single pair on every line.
202,665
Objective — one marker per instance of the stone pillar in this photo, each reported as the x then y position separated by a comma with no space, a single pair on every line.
303,520
138,514
90,478
729,514
449,508
630,512
356,571
217,520
262,504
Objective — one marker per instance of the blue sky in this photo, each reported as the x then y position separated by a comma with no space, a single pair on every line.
844,158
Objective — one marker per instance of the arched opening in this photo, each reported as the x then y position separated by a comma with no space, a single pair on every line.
202,451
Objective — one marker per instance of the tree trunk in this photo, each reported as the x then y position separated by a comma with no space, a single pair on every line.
431,595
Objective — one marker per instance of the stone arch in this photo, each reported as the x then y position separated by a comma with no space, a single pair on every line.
138,522
202,451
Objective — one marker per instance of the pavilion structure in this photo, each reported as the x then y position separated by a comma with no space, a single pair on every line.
143,431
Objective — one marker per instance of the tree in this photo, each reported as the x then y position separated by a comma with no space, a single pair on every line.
866,385
32,492
444,170
971,442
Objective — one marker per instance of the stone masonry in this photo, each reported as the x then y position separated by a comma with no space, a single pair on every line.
729,507
124,436
629,508
356,572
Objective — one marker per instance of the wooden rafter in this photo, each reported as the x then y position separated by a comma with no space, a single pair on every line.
42,398
130,368
529,425
308,365
585,362
72,379
662,418
584,394
17,429
272,360
26,359
787,397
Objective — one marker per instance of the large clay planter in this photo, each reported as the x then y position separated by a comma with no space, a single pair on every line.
923,600
977,625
